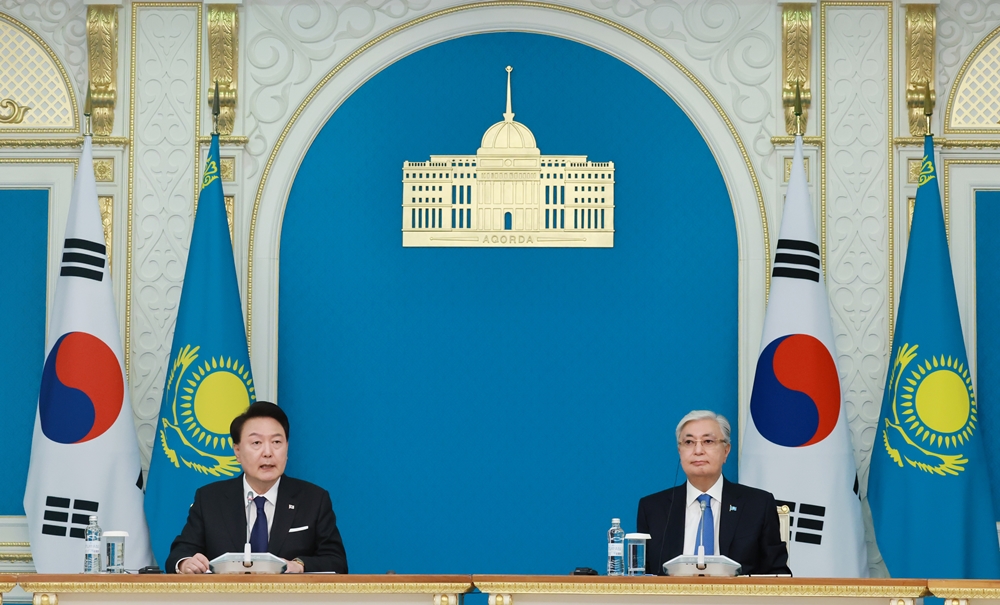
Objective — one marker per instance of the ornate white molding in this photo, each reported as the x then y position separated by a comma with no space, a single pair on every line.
162,188
593,31
858,128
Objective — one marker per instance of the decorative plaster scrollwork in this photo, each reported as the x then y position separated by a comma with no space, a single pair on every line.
166,45
102,43
17,111
859,134
289,47
734,42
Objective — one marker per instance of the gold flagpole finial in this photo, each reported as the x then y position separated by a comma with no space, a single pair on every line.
798,108
88,108
928,108
215,109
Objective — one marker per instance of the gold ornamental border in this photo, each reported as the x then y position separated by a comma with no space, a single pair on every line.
890,132
697,590
68,142
70,91
958,80
518,4
246,587
946,590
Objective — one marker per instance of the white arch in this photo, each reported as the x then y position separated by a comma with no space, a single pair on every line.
570,24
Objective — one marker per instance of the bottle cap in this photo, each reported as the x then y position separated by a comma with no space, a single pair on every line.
616,520
116,534
93,518
627,536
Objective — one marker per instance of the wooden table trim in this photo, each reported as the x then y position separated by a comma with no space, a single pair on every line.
965,589
740,586
263,583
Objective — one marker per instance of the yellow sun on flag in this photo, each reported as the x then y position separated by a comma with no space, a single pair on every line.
216,391
938,402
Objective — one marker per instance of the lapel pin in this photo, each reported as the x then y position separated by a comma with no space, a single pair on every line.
291,507
731,508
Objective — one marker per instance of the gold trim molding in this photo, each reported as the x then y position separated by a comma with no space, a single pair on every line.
796,42
230,201
68,142
920,28
714,589
247,587
104,170
107,205
223,58
533,4
102,46
16,110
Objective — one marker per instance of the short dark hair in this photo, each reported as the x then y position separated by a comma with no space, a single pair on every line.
258,409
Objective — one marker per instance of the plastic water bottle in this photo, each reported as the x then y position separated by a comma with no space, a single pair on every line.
92,547
616,549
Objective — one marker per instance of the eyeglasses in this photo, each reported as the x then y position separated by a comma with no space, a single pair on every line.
690,444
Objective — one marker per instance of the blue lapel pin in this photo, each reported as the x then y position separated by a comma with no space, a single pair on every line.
731,508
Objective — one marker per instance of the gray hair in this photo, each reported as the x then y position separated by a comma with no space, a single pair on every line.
705,415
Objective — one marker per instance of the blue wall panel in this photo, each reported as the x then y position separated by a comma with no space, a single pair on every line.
988,331
489,410
22,332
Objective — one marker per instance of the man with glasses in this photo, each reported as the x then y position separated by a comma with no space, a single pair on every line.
723,517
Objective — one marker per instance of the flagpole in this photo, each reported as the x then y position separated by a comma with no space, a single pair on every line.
215,110
798,109
928,110
88,106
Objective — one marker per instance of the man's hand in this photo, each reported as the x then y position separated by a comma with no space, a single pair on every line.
294,567
195,564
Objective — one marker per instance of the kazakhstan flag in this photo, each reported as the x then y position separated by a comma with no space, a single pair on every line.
929,488
208,374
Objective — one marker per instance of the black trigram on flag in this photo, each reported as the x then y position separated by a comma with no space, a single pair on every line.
63,521
83,258
808,522
797,259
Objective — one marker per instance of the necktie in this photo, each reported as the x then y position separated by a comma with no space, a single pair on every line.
258,535
706,529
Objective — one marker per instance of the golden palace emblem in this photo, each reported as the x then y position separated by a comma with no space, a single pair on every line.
934,412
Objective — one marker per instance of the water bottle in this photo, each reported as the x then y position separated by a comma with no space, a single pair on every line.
92,547
616,549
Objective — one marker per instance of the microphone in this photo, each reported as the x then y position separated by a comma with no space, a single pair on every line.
246,547
701,546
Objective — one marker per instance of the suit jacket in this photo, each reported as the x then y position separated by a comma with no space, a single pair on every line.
748,528
217,524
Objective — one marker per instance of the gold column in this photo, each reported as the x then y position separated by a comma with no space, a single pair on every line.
920,26
796,42
102,46
223,42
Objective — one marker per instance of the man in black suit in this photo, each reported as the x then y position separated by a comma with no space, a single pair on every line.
289,518
708,511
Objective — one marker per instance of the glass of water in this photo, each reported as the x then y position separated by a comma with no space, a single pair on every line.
635,553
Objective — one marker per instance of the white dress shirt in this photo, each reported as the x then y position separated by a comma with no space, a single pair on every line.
271,496
692,515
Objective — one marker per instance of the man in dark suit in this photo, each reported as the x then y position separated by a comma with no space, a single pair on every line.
289,518
709,512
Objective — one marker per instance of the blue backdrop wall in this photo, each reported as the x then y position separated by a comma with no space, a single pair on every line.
490,410
988,332
22,305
